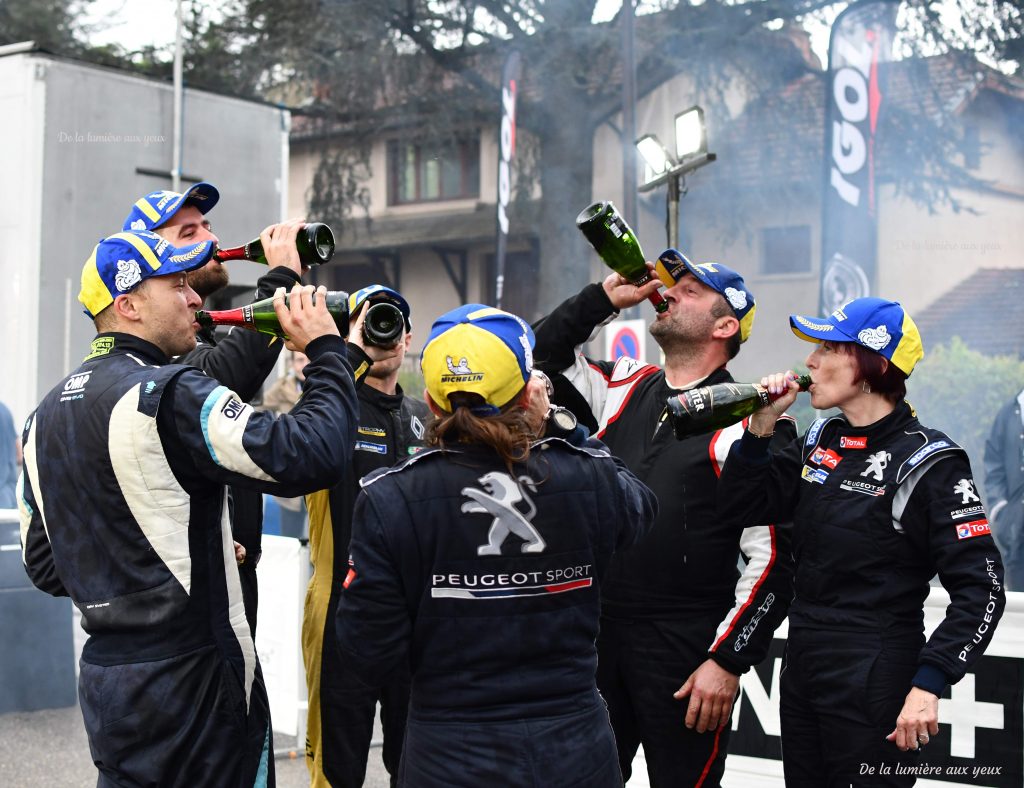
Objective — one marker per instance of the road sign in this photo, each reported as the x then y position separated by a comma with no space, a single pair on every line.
626,338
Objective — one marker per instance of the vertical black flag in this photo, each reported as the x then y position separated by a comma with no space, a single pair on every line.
861,39
506,149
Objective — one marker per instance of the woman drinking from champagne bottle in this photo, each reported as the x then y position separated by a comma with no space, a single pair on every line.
879,504
480,562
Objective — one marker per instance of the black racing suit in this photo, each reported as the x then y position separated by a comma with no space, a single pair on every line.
677,598
241,360
125,510
342,708
487,582
877,511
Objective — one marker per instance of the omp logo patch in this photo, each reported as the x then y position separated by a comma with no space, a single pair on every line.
233,408
77,382
74,387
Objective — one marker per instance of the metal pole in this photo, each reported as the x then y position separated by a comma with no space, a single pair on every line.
176,154
629,201
672,223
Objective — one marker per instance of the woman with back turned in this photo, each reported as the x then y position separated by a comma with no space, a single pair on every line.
480,561
879,504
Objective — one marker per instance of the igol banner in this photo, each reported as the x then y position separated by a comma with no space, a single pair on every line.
855,97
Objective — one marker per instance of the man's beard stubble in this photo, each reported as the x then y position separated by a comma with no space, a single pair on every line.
682,334
209,279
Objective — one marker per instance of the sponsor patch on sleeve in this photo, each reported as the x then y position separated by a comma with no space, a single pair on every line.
349,578
972,529
815,475
825,457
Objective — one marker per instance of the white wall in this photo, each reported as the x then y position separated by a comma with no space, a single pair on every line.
72,142
22,97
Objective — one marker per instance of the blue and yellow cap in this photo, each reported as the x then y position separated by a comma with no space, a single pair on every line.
672,265
377,293
156,208
477,349
121,262
874,323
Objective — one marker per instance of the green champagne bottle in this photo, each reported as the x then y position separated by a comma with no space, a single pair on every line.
711,408
617,245
260,315
315,243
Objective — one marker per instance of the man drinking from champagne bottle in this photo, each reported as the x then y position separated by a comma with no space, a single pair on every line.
124,509
678,619
242,360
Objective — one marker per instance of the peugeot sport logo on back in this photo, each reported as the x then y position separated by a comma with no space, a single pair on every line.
498,498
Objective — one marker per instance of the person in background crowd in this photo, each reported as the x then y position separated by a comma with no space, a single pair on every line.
124,508
281,398
679,621
480,561
1004,483
391,427
880,503
241,360
10,459
285,391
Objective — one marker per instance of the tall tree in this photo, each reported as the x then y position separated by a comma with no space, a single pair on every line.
51,24
434,66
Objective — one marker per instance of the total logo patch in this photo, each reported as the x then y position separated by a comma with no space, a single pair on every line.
814,475
972,529
826,457
853,442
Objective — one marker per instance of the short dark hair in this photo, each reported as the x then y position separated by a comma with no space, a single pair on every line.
883,377
721,308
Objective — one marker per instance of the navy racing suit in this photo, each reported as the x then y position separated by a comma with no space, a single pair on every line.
487,580
877,511
124,509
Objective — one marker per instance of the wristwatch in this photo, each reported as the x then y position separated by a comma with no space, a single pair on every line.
561,419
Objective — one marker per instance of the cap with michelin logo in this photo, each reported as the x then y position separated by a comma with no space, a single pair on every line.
875,323
480,350
156,208
121,262
672,265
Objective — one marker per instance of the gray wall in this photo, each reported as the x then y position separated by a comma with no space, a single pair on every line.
101,126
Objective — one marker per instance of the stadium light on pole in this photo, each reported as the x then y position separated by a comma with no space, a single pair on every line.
661,166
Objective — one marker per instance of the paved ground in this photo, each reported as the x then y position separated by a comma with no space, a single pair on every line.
48,749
